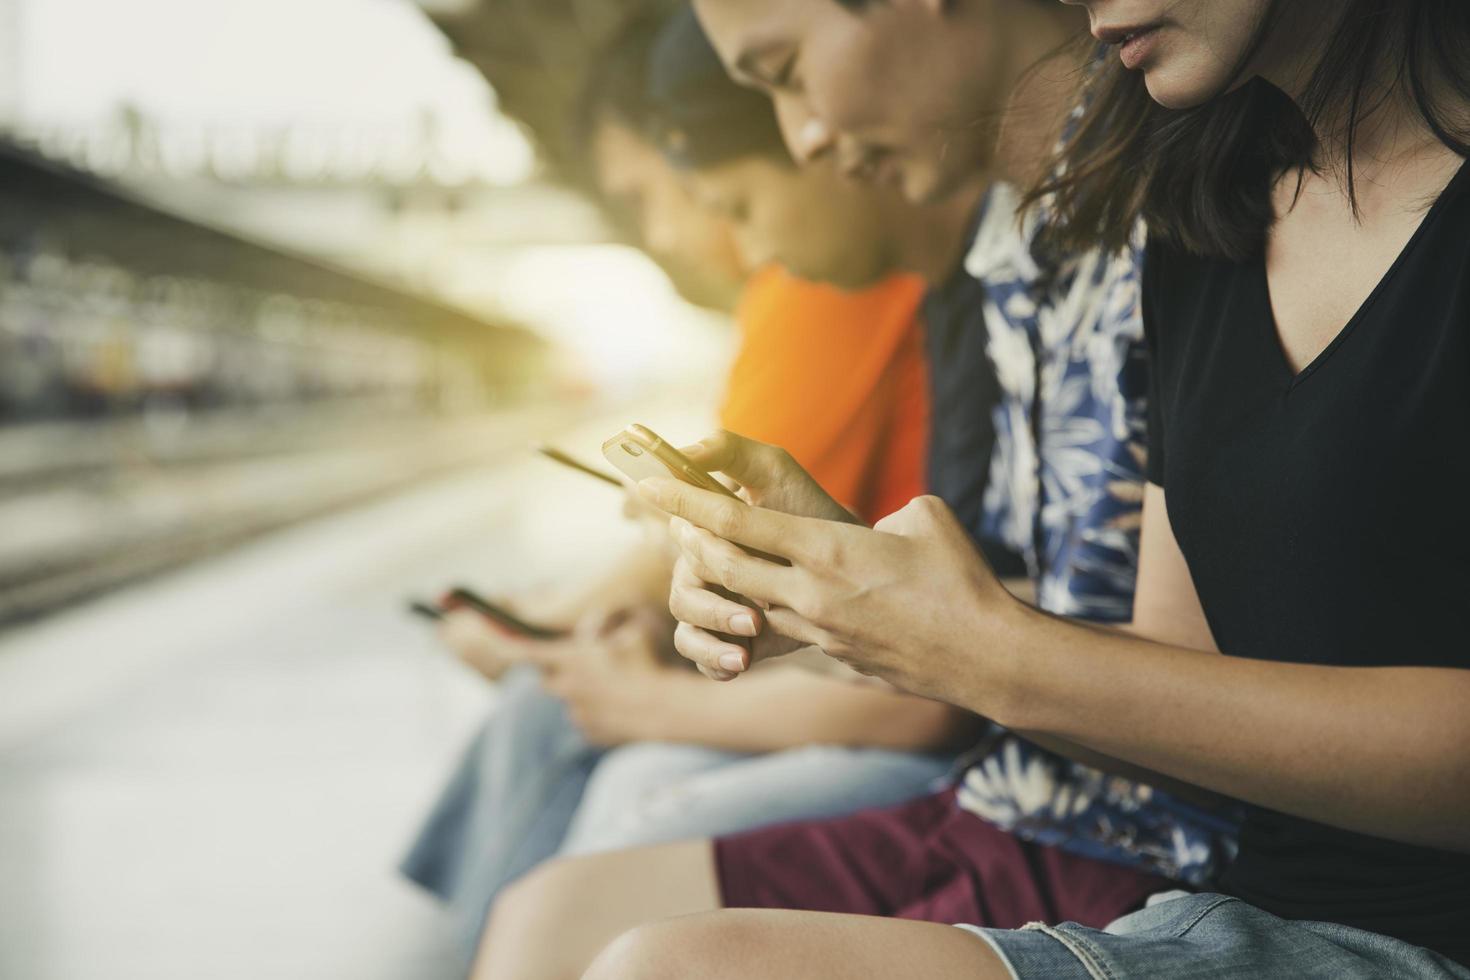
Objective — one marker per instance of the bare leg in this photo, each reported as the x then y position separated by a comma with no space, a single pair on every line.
769,944
551,923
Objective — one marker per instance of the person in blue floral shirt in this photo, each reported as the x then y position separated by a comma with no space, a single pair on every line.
1065,492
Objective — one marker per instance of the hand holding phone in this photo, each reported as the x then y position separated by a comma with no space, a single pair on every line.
641,454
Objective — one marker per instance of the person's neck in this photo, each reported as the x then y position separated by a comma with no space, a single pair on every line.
1042,71
1389,131
1296,42
931,239
1029,32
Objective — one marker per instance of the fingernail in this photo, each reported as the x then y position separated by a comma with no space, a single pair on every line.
733,662
743,624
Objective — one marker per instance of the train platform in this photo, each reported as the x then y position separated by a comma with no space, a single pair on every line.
213,773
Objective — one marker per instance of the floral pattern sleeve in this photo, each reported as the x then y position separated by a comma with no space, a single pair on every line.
1066,492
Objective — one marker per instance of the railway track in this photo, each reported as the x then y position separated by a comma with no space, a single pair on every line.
100,508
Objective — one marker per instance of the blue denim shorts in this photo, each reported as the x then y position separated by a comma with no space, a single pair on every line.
1211,936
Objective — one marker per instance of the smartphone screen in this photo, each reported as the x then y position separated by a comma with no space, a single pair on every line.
641,454
500,615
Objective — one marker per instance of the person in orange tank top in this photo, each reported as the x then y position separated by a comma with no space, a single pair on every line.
840,378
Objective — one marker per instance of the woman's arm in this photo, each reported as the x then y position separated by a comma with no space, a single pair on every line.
617,690
1382,751
1305,726
785,707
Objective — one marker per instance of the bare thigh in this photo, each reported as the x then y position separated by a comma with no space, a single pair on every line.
550,924
769,944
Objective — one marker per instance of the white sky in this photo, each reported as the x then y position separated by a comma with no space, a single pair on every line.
368,61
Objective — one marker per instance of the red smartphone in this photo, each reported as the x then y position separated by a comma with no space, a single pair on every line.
502,617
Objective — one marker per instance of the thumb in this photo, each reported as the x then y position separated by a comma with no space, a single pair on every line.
917,517
734,455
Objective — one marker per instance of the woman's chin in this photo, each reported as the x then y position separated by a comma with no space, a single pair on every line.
1170,94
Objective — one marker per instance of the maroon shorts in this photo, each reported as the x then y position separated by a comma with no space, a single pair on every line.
926,860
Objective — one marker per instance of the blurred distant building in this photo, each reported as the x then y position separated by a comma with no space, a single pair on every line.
394,202
536,53
110,306
10,60
131,144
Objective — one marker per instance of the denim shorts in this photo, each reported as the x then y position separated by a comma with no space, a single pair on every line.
1211,936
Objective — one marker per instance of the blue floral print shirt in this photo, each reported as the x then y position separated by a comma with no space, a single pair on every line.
1066,492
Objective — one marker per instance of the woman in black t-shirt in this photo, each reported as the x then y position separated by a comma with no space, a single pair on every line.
1301,167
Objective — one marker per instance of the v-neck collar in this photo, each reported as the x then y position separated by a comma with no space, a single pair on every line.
1273,329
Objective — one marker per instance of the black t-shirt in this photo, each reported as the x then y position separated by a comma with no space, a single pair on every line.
964,392
1325,518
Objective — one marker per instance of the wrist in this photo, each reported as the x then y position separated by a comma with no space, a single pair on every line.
671,696
1003,665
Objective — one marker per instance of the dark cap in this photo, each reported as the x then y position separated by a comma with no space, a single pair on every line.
699,116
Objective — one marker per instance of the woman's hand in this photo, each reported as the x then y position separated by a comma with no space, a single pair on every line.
491,650
909,601
609,674
767,476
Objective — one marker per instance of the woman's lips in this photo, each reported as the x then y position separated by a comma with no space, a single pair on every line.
1138,47
1135,43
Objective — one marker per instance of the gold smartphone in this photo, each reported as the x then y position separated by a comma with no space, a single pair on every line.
639,452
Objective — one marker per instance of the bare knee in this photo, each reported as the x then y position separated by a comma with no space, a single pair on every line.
535,895
701,945
521,933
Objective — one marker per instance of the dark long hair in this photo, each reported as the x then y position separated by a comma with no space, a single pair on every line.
1202,177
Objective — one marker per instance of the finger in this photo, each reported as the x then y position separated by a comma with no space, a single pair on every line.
558,684
683,577
698,606
551,657
715,675
791,624
716,561
764,530
716,658
634,646
748,461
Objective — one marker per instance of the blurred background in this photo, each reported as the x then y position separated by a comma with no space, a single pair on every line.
287,290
